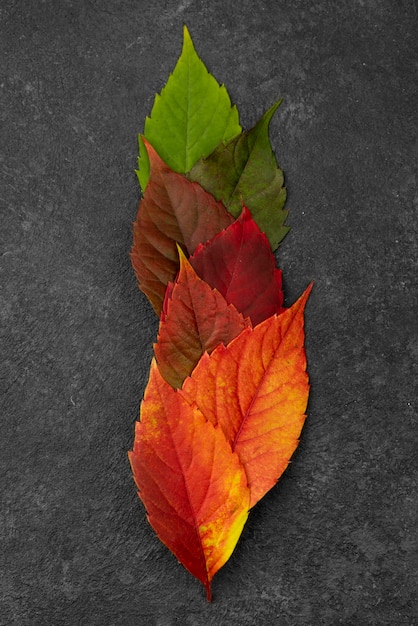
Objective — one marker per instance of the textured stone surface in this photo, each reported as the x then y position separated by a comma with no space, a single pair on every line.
334,542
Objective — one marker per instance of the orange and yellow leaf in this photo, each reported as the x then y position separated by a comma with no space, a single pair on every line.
191,483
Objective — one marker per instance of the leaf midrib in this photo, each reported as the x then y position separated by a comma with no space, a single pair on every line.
195,525
255,395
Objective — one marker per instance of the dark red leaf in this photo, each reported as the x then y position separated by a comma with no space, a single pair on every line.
238,262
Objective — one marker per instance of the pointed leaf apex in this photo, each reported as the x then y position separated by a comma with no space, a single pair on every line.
148,146
142,142
187,40
154,159
271,111
307,291
302,300
182,257
245,214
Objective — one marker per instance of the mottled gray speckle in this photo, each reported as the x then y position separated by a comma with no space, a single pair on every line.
335,541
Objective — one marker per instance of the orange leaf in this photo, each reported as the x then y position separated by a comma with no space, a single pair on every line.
191,483
195,319
172,210
256,389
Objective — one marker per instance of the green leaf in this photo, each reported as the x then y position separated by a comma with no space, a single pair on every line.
245,171
191,116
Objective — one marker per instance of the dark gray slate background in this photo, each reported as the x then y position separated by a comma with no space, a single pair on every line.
335,541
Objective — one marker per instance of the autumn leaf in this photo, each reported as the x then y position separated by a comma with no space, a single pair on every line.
238,262
256,389
196,320
191,483
245,171
228,389
173,210
190,117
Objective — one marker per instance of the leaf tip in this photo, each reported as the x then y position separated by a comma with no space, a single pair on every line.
309,287
271,111
154,161
182,256
268,115
304,297
143,141
187,39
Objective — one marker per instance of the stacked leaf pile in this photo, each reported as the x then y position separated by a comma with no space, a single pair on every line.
227,392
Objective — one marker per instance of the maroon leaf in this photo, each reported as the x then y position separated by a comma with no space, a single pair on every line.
173,210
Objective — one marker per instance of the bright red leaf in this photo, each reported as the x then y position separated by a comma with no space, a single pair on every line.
256,389
191,483
173,210
238,262
195,319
